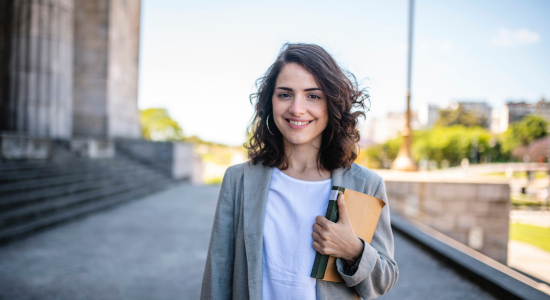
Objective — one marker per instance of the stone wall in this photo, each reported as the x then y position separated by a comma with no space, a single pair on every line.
475,214
176,159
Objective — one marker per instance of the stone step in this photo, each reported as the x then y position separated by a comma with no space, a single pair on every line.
64,178
67,170
11,166
27,197
53,170
38,194
37,210
19,231
7,178
54,181
32,164
47,166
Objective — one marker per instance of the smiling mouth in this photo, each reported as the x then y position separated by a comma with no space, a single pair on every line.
298,123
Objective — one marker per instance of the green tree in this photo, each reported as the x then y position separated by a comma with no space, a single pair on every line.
459,116
157,125
523,132
379,156
451,143
439,143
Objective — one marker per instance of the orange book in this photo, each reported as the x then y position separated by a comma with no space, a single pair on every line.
364,212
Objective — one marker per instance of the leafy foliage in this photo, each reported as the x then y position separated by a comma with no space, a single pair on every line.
459,116
458,136
451,144
379,156
523,132
157,125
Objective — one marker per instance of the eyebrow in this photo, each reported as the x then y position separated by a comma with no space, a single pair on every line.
290,90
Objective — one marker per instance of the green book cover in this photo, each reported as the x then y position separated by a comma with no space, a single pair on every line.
320,263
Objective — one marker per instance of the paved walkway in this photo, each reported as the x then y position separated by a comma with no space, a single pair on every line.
529,259
531,217
155,248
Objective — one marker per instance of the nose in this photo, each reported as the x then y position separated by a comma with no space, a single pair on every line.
298,106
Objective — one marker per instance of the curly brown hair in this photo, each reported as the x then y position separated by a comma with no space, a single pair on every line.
339,139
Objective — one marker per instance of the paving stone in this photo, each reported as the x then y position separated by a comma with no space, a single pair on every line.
155,248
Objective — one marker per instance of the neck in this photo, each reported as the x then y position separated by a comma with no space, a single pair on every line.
300,159
302,162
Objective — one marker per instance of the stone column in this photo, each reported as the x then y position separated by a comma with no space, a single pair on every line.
90,63
37,85
124,21
106,68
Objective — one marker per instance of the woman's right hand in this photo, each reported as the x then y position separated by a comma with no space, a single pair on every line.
337,239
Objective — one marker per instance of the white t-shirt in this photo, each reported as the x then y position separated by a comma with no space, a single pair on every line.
288,254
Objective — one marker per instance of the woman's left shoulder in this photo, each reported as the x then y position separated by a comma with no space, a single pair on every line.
364,172
374,183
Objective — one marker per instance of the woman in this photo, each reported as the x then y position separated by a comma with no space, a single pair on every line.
269,219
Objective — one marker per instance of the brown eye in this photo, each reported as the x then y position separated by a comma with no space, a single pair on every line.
284,95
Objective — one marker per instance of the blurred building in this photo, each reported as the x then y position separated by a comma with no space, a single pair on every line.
70,138
515,111
428,115
379,130
543,108
479,107
69,68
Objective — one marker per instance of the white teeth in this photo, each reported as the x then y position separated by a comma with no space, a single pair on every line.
298,123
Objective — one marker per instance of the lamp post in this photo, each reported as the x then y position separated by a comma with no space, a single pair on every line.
404,161
548,148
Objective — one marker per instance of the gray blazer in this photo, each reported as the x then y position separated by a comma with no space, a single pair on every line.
234,264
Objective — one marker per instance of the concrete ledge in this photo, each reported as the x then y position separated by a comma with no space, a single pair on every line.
175,159
19,146
93,147
491,275
441,176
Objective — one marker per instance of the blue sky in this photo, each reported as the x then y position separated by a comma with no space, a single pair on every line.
200,59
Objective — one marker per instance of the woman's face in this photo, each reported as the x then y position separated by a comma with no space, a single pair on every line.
299,106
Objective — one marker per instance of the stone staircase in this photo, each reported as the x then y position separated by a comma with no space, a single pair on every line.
38,194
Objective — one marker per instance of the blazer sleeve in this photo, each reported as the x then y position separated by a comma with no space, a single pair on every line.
377,272
218,272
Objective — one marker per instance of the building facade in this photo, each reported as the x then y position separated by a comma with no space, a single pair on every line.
69,68
379,130
515,111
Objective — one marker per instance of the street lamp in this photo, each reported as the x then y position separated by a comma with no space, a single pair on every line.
548,150
404,161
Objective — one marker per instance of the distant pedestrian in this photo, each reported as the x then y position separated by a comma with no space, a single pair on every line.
269,220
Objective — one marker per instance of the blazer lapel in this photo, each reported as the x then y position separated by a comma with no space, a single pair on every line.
257,179
347,179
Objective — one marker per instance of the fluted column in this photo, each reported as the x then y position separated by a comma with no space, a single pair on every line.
37,91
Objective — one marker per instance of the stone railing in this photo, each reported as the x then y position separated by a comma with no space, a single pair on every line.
471,212
175,159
